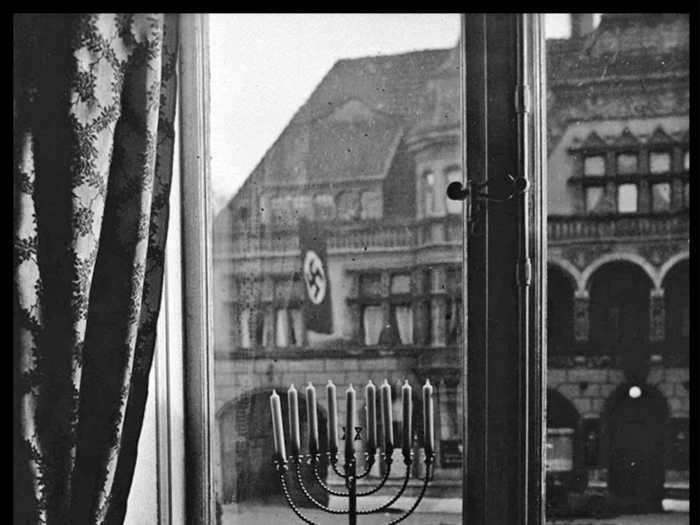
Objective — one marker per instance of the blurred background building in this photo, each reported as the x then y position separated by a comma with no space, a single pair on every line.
369,156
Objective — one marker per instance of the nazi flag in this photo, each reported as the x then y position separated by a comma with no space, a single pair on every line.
318,315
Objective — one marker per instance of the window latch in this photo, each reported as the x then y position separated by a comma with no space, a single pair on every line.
457,192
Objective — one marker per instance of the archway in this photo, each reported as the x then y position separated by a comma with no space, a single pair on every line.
619,309
635,417
560,311
677,308
247,449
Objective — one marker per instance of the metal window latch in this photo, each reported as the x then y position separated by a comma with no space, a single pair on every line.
457,192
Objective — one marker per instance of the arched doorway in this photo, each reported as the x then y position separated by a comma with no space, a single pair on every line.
246,449
636,418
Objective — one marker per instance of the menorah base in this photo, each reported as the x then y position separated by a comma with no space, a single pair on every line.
310,464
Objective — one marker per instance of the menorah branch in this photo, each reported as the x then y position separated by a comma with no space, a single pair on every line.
349,473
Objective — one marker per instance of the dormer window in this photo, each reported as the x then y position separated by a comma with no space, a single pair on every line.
627,164
594,165
659,162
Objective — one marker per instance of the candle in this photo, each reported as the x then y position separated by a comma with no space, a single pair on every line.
386,418
349,423
428,432
332,419
312,417
407,410
293,406
277,426
371,412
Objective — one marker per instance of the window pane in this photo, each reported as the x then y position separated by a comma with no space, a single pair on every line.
594,199
594,165
686,160
661,197
617,359
627,198
627,163
332,268
659,162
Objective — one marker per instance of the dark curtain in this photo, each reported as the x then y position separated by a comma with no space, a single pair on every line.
94,101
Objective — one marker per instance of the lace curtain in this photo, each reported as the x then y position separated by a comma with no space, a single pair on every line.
94,100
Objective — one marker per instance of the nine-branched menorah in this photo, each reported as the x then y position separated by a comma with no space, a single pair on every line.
349,473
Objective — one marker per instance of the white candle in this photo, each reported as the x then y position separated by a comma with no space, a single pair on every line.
349,423
293,407
387,419
371,412
428,432
277,426
332,419
407,412
312,417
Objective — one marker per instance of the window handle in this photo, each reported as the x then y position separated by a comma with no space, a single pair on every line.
457,192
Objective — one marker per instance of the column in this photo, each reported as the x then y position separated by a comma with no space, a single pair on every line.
268,307
581,315
657,315
438,306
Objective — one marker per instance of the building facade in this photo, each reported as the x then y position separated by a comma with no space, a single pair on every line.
370,155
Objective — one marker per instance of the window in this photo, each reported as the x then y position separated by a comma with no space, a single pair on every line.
627,163
342,242
661,197
686,160
594,199
659,162
429,194
627,198
594,165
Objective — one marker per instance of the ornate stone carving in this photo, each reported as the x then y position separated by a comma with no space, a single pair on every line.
582,256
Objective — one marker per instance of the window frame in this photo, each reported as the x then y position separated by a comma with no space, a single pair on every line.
523,46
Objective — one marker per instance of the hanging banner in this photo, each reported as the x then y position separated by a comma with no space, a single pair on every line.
318,315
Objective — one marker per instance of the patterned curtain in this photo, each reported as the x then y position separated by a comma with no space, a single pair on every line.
94,100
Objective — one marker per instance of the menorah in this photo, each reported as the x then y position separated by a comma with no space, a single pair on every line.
349,473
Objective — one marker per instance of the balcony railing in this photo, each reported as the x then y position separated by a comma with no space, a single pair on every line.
408,235
585,228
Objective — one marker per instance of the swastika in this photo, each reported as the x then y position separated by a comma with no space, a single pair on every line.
315,277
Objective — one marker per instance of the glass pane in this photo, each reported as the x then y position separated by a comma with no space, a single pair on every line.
627,198
594,198
627,163
659,162
686,160
594,165
617,447
319,255
661,197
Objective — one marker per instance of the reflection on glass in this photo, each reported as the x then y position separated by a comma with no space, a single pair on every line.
320,266
617,403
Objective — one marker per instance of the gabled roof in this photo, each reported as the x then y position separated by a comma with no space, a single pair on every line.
352,122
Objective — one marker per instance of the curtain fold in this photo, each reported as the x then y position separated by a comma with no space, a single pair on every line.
94,101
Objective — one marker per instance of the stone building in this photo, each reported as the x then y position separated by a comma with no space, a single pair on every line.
370,155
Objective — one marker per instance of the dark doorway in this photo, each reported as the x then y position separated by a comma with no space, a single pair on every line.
636,418
246,450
